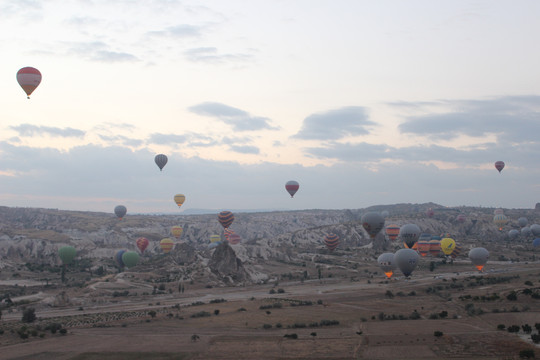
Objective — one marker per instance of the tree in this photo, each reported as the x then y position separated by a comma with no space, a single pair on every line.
216,312
29,315
152,313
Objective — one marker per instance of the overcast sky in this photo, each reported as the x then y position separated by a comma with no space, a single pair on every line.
362,102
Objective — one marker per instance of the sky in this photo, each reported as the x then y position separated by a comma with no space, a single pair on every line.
362,102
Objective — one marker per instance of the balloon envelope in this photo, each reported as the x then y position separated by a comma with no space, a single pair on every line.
409,233
526,231
130,258
536,242
461,218
448,245
142,244
225,218
499,165
373,222
513,234
179,199
392,231
161,160
166,245
215,238
434,247
292,187
430,213
177,231
387,264
120,211
522,221
535,229
29,79
406,260
234,238
479,257
500,220
331,241
67,254
118,258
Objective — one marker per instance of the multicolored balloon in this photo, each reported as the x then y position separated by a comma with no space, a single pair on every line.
434,247
225,218
392,231
500,220
166,245
142,244
292,187
331,241
29,79
177,231
215,238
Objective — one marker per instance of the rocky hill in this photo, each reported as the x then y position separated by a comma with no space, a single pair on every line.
34,235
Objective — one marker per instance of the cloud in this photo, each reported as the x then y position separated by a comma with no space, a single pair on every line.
164,139
190,139
511,118
211,55
335,124
245,149
178,31
99,51
28,130
240,120
124,140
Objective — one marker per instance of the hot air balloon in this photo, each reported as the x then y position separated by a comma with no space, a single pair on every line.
536,242
331,241
177,231
130,258
406,260
227,232
215,238
498,211
142,244
513,234
225,218
500,220
120,211
387,264
535,229
179,199
214,245
118,258
161,161
29,79
409,233
479,257
234,238
430,213
434,247
456,252
392,231
166,245
448,245
461,218
67,254
526,231
373,222
292,187
522,221
423,247
499,165
385,213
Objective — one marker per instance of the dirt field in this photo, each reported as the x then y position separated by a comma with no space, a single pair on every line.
334,318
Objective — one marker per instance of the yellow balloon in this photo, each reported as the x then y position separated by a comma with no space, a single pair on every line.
448,245
215,238
179,199
176,231
166,245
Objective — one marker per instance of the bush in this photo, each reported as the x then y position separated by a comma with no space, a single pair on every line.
513,329
512,296
63,331
201,314
272,291
152,313
389,294
267,326
216,312
291,336
29,315
438,333
501,327
526,354
280,291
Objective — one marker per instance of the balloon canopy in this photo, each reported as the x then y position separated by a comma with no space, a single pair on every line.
409,233
373,222
120,211
406,260
292,187
166,245
161,161
499,165
179,199
29,79
118,258
479,257
130,258
331,241
142,244
225,218
177,231
392,231
387,264
448,245
67,254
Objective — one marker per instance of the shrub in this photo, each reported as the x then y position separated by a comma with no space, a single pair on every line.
438,333
242,309
279,326
216,312
152,313
513,328
291,336
29,315
501,327
272,291
526,354
63,331
201,314
267,326
280,291
389,294
512,296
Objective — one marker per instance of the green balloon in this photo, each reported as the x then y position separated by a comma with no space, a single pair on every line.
130,258
67,254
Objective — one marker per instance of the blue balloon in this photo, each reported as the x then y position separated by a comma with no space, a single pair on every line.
536,242
118,258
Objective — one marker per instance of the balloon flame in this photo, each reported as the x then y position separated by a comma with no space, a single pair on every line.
480,267
389,274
